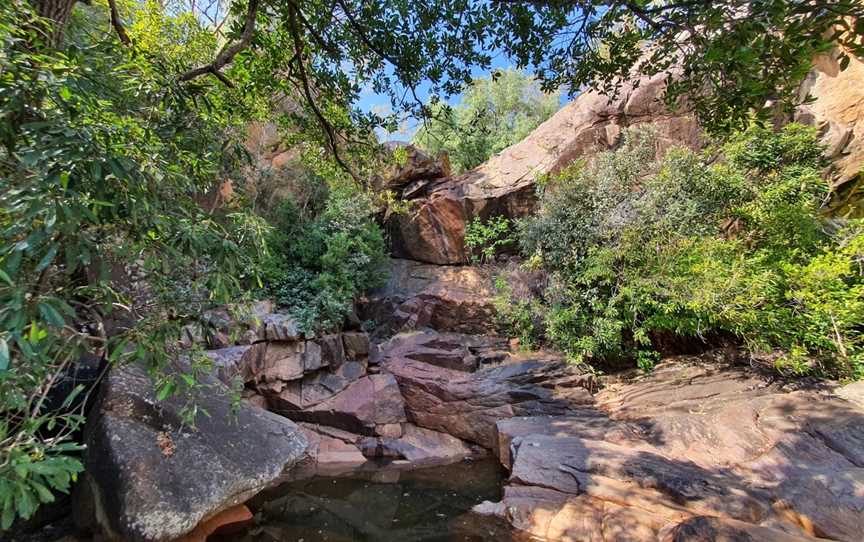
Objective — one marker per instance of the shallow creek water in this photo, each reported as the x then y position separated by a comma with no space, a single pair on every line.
382,505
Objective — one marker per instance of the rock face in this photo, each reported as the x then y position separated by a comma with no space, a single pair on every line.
690,452
420,295
838,113
468,405
152,478
434,229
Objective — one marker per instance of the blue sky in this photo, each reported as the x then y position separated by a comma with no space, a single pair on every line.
370,100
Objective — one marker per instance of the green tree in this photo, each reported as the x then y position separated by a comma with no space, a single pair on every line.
494,113
104,162
728,57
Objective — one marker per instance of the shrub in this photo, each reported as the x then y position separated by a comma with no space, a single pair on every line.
486,238
640,248
321,263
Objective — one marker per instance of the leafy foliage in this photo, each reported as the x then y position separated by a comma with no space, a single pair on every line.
322,261
486,238
640,248
494,113
104,162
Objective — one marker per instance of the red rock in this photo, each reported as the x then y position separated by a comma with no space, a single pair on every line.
225,522
366,403
468,405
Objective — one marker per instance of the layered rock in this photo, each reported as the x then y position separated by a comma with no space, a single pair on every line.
420,295
691,452
467,405
151,477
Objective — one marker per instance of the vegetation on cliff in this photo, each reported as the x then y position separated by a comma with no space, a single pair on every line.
700,245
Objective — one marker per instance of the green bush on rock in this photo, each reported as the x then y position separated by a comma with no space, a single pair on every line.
690,246
322,261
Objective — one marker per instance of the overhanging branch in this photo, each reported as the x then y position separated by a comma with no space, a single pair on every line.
229,51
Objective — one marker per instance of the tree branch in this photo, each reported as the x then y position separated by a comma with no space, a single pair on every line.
230,51
118,26
307,92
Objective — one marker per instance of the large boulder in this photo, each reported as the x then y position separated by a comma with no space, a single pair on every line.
366,406
152,477
692,451
433,231
467,405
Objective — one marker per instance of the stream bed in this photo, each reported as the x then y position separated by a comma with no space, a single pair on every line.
387,504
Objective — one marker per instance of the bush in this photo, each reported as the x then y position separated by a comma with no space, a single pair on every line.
485,239
321,263
641,248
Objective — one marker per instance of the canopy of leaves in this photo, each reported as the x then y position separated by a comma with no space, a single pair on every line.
494,113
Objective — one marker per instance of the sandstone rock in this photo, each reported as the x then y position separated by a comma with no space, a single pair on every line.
443,350
504,185
236,361
468,406
281,327
153,478
366,403
316,387
443,298
332,350
853,393
763,460
839,114
423,447
713,529
356,344
224,522
416,168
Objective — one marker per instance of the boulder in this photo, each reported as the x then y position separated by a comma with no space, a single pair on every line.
332,350
236,362
416,168
468,405
362,407
152,477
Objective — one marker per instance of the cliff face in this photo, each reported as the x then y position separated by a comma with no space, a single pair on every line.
838,113
504,185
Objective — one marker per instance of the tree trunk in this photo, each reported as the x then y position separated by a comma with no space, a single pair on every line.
57,11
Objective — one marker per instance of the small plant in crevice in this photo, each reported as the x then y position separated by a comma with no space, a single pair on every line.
484,239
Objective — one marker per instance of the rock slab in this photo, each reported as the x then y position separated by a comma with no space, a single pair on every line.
150,477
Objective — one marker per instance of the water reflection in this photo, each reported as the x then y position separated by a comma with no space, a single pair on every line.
388,504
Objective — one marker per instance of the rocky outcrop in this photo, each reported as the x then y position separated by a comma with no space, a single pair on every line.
152,477
693,451
419,295
449,350
837,111
468,405
433,231
434,228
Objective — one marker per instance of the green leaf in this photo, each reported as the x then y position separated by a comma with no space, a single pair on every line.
4,355
50,315
47,259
